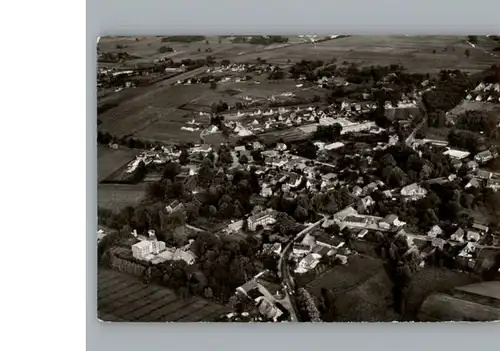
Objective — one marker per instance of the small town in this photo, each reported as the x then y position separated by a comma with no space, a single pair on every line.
297,189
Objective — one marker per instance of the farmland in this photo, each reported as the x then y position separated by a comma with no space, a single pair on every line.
429,280
416,53
153,113
362,290
117,196
345,277
123,298
109,160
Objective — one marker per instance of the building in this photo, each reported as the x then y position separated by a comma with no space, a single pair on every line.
247,287
186,256
472,166
309,262
483,156
473,236
456,154
413,191
333,146
294,180
356,191
480,228
204,149
267,308
257,145
458,235
300,249
262,218
174,206
142,249
281,147
339,216
435,231
493,184
266,192
331,243
473,183
365,203
393,220
369,188
482,174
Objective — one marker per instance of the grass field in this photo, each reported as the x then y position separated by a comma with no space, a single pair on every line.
117,196
430,280
413,52
109,160
340,278
123,298
362,290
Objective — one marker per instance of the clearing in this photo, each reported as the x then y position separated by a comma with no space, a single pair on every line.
117,196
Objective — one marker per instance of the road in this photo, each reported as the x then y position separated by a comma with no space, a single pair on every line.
411,137
284,269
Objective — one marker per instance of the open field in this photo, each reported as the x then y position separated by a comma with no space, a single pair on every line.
137,114
124,298
413,52
153,112
430,280
109,160
117,196
362,291
344,277
147,48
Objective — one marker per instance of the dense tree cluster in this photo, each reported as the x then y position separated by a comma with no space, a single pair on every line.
332,201
164,49
305,68
182,38
449,91
328,133
464,139
479,121
116,57
400,165
105,138
307,306
260,40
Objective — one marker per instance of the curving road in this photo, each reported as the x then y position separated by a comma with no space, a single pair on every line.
284,269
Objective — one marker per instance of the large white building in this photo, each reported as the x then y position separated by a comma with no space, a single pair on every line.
261,218
142,249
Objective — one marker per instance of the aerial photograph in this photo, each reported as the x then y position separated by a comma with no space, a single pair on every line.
304,178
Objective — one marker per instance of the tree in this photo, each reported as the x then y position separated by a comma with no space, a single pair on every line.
184,157
337,131
301,214
243,159
472,39
171,170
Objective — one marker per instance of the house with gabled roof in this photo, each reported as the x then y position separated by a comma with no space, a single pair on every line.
483,156
458,235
